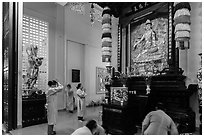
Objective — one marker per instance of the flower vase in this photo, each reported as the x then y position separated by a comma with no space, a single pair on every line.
123,82
121,102
148,89
148,82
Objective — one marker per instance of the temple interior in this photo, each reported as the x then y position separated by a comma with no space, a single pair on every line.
129,56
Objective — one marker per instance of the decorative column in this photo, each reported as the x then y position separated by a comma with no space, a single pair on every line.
182,24
107,48
106,38
182,31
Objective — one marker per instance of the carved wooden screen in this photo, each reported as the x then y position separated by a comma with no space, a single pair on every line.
119,95
35,33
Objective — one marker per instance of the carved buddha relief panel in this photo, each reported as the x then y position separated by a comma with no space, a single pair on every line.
149,46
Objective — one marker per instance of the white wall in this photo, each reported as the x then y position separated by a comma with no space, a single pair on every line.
195,41
189,60
74,60
59,52
78,28
92,60
195,49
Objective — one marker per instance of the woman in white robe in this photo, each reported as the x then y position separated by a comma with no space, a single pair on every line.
70,98
81,104
89,129
51,97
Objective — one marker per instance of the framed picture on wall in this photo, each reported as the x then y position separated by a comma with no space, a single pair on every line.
75,75
101,74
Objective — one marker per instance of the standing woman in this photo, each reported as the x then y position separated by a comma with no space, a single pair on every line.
57,87
80,102
70,98
51,105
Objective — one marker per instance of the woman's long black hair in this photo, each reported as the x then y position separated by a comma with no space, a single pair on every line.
78,86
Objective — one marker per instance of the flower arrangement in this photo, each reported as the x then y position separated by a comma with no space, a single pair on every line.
182,24
108,79
123,78
149,72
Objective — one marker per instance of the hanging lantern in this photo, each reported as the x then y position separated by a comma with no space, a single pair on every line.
182,24
92,12
106,36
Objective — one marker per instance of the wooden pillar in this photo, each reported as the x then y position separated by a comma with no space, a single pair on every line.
119,50
123,48
128,49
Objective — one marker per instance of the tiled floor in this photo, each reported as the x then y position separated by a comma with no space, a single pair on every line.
66,123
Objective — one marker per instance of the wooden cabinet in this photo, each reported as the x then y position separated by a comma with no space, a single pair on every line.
34,111
117,120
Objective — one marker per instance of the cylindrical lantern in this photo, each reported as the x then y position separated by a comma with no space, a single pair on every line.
106,36
182,24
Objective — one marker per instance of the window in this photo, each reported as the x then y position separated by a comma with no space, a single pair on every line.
35,33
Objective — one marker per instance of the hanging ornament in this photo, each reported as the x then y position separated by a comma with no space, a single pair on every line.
182,24
106,37
92,12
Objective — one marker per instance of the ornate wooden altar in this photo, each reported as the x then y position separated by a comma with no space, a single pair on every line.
169,89
167,82
33,110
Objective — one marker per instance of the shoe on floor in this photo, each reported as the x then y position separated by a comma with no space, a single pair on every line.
54,133
81,118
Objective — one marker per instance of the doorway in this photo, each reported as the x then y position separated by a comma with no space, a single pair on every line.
74,61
